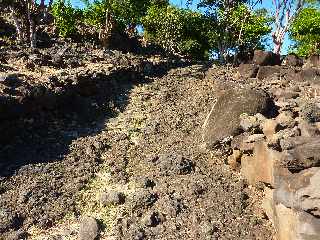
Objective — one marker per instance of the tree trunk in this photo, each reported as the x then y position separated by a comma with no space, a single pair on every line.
17,25
33,36
32,27
277,47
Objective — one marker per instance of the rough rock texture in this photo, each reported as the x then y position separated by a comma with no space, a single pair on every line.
248,70
137,136
313,61
221,123
88,229
264,58
293,61
283,151
267,71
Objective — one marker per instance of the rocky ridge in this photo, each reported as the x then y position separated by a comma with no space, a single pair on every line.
280,150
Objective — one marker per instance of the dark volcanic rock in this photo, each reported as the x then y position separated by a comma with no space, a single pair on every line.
313,61
223,120
311,112
293,61
266,71
248,70
263,58
304,154
311,75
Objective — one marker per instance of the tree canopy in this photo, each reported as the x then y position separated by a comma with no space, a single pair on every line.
219,28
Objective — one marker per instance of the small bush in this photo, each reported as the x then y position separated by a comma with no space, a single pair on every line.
305,31
66,17
179,31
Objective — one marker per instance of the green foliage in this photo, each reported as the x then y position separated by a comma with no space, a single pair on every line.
65,17
248,27
177,30
238,29
305,31
125,13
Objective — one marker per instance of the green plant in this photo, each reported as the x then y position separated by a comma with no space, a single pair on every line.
65,17
237,27
305,31
179,31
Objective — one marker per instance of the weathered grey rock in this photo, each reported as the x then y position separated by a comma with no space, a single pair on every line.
311,112
301,153
290,224
310,75
285,119
254,138
300,191
89,229
221,123
248,123
239,142
308,130
285,94
112,197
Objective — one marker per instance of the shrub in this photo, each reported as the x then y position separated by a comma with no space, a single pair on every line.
179,31
66,17
305,31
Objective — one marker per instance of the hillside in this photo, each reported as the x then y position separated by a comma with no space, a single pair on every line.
97,142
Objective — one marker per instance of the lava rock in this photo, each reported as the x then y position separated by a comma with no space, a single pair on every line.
248,70
267,71
313,61
311,112
264,58
293,60
221,124
112,197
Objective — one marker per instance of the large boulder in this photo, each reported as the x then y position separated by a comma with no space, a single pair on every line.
293,60
248,70
313,61
293,207
264,58
224,119
267,71
310,75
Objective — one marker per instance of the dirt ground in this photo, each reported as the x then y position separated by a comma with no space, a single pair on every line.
144,145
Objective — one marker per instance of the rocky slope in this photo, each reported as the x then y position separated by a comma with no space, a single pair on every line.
275,137
99,143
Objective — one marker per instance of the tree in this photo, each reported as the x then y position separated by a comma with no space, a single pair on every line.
285,13
305,31
65,17
108,16
237,28
178,31
26,15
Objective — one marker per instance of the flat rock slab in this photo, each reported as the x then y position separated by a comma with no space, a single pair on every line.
223,120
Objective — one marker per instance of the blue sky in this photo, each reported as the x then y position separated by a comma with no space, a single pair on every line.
182,3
